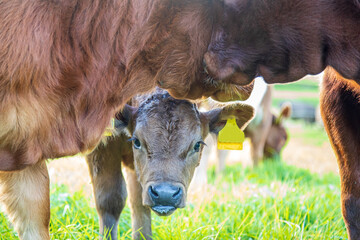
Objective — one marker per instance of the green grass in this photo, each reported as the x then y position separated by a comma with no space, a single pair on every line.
311,134
313,101
273,201
305,85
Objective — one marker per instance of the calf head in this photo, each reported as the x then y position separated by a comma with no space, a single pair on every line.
277,135
168,137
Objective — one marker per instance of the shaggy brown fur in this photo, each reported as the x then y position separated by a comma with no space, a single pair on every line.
340,109
283,40
66,67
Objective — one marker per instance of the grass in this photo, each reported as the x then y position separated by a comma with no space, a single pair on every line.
273,201
313,101
304,85
311,134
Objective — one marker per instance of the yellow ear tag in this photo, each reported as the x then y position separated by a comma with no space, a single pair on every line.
109,130
231,137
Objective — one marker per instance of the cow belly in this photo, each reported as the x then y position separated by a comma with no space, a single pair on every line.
31,131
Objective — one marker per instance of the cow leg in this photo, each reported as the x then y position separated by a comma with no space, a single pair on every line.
25,195
340,110
258,138
109,189
141,216
257,147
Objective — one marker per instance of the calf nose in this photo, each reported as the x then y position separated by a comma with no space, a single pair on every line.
165,194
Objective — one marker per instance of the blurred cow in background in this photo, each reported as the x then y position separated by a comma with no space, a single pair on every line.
268,137
266,133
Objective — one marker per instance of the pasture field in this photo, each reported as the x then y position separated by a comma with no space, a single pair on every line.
273,201
305,91
295,198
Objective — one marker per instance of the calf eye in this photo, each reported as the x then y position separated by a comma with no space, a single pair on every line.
137,144
197,146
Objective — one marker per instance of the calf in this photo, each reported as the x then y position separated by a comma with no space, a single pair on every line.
268,134
266,131
166,143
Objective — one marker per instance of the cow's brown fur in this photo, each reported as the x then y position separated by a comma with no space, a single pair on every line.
340,109
66,67
283,40
167,129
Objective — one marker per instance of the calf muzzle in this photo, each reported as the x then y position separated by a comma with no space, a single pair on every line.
165,197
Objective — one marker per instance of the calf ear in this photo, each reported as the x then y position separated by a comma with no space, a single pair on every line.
217,118
284,113
124,118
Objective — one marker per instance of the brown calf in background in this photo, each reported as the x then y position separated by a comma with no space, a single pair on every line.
268,134
267,138
167,140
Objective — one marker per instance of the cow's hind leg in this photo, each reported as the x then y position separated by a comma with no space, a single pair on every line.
141,216
340,110
109,188
25,195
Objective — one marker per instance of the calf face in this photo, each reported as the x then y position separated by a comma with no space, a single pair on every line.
167,136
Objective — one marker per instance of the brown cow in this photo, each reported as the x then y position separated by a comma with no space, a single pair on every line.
167,140
267,133
66,67
283,40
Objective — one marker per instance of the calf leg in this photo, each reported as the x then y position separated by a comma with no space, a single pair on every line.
340,110
257,148
141,216
25,195
109,189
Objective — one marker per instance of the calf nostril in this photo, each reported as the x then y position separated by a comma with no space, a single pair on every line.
153,192
177,194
